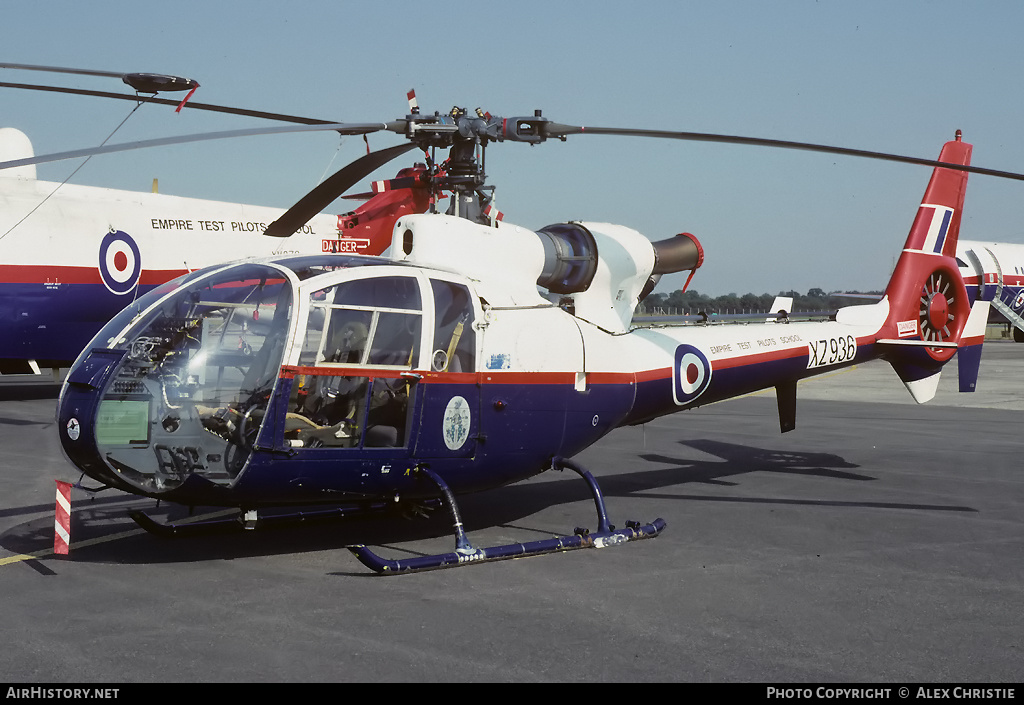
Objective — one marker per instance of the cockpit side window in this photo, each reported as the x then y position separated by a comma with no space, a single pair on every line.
383,292
454,337
347,335
373,321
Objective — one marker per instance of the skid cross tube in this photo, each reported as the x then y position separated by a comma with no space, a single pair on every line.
464,553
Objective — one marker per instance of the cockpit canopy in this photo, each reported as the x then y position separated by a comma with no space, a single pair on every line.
202,355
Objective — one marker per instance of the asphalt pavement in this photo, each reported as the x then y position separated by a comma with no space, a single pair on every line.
879,542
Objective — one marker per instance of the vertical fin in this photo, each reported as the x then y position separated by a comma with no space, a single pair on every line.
928,301
969,350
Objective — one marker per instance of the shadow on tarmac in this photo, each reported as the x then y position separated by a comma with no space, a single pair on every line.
95,518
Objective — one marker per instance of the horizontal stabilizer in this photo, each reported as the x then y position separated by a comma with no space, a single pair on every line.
916,343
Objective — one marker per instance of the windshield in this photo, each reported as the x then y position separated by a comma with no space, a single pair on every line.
192,391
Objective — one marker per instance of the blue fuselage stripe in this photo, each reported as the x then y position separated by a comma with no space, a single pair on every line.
54,321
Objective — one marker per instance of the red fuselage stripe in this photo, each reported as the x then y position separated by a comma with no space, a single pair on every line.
503,377
45,274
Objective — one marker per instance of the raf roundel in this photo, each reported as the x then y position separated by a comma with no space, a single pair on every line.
691,374
120,262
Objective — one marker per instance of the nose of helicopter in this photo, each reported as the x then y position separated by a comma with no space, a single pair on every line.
173,395
117,433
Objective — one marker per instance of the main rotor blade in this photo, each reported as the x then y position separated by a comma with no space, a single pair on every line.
165,101
143,82
340,127
61,69
558,130
340,182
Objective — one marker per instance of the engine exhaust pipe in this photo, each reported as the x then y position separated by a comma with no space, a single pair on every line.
677,254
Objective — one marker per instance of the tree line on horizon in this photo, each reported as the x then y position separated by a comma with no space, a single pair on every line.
681,302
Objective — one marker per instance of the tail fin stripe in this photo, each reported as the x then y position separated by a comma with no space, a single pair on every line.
930,230
940,236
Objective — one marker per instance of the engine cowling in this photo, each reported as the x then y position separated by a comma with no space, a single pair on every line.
605,269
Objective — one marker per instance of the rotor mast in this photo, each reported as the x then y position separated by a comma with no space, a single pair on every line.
465,135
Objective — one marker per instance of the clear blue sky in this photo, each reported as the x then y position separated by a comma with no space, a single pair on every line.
887,76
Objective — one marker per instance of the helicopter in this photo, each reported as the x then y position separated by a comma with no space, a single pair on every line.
72,256
475,354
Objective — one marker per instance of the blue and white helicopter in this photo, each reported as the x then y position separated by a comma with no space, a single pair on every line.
475,353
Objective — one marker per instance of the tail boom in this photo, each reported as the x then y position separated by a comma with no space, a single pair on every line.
922,320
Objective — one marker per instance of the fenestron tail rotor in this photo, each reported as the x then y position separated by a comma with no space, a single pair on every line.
938,302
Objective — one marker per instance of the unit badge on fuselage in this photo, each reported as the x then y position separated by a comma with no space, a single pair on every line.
455,425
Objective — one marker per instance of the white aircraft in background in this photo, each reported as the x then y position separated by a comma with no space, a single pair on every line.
994,272
73,256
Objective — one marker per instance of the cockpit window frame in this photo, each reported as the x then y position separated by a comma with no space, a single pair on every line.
182,429
298,352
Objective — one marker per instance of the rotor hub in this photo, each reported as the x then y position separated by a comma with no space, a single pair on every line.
938,310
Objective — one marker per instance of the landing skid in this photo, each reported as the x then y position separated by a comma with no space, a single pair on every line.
239,520
465,553
185,529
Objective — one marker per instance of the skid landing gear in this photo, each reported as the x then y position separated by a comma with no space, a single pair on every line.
239,520
465,553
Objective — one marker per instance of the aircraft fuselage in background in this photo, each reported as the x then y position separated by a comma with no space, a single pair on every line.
994,271
72,256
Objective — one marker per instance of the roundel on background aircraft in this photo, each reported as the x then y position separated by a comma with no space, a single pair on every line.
120,262
691,374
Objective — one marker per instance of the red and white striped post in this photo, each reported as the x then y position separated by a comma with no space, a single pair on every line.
62,519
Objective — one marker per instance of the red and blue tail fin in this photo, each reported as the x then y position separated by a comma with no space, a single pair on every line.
930,315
